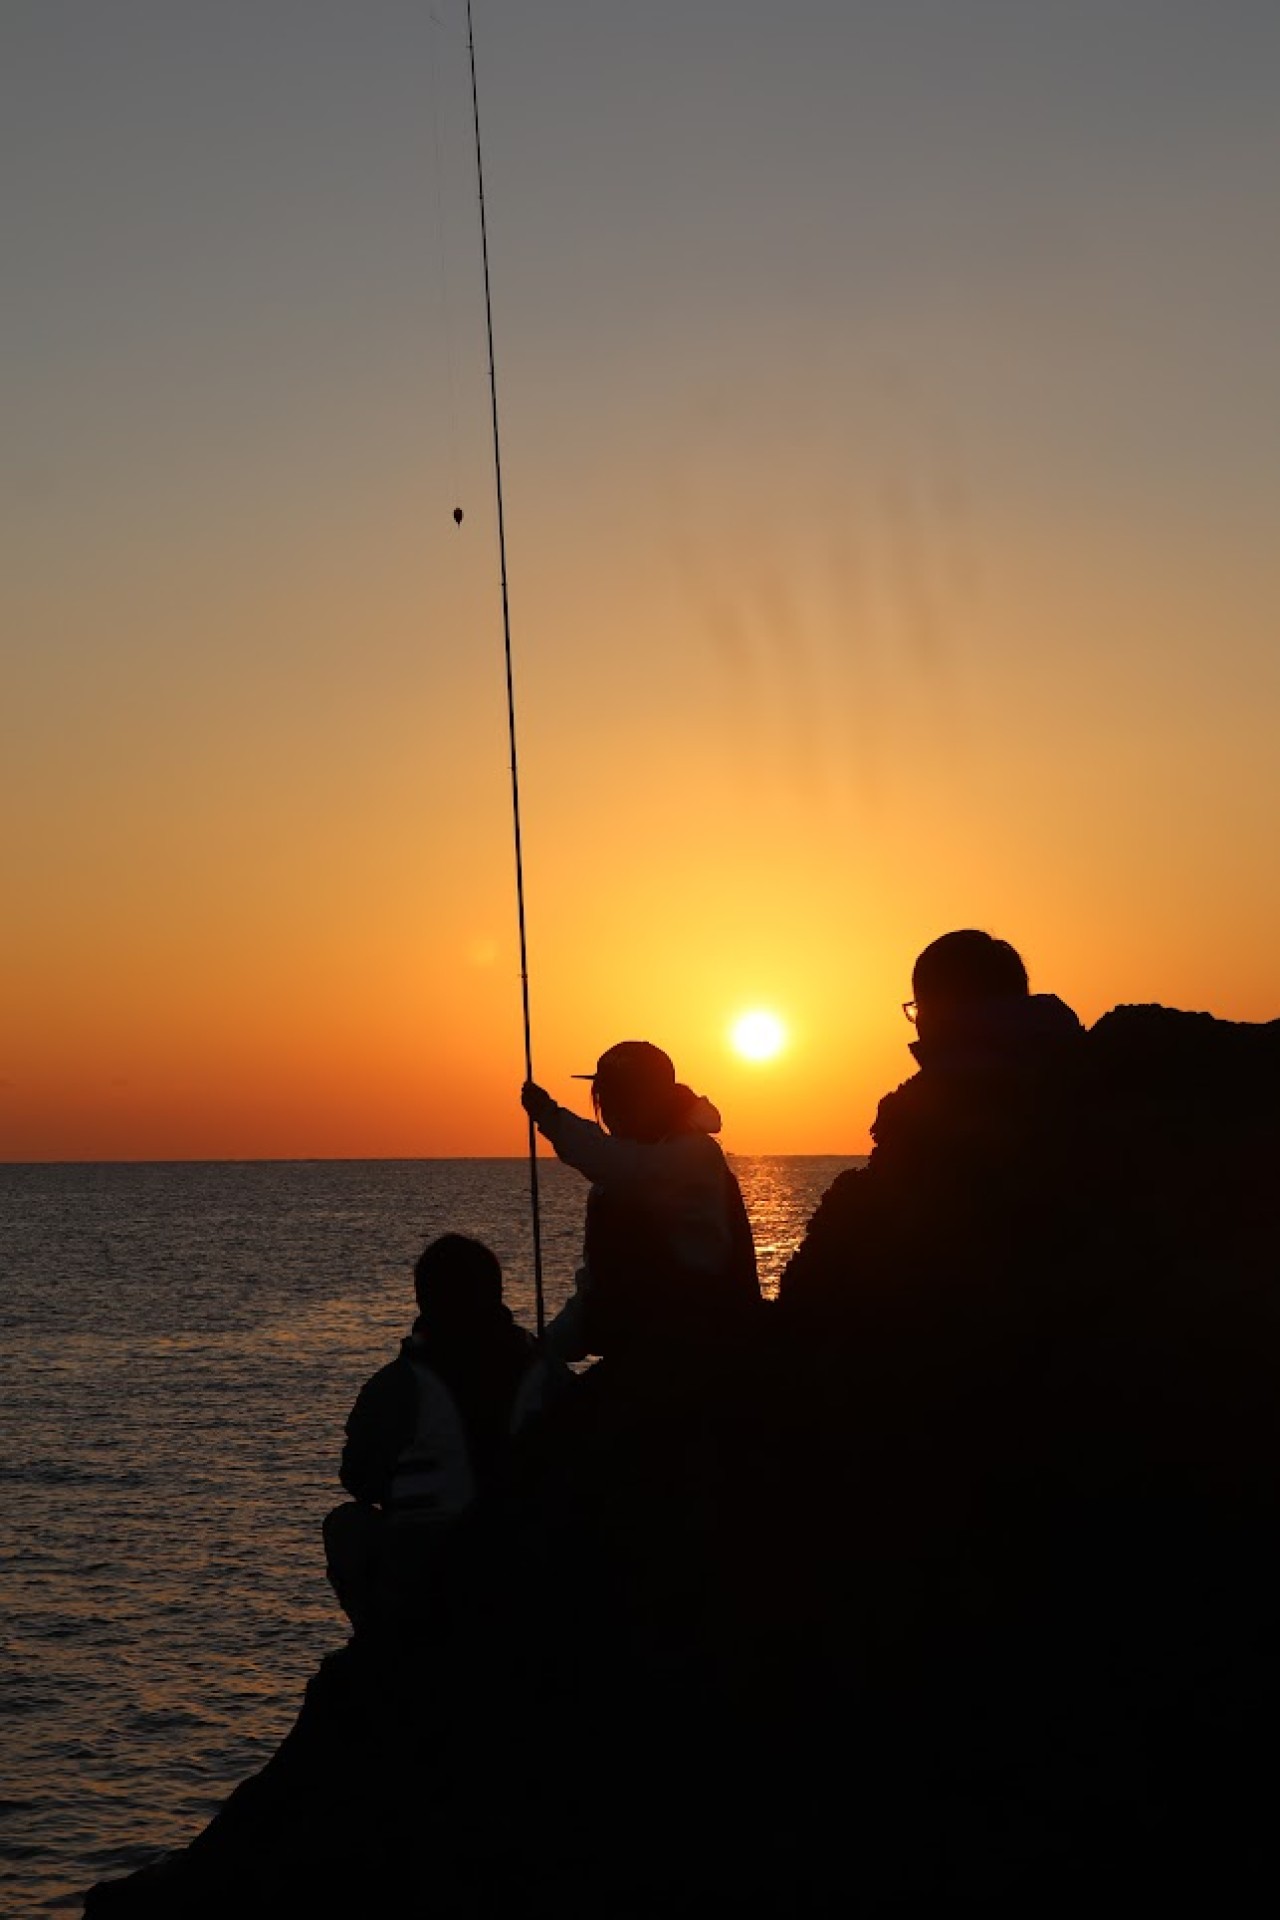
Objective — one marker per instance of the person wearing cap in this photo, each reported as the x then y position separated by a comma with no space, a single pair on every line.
668,1257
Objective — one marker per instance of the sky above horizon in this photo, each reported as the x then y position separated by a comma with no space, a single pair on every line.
890,423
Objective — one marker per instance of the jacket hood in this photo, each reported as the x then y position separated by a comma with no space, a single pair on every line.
702,1117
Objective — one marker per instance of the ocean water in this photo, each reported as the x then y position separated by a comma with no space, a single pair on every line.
181,1344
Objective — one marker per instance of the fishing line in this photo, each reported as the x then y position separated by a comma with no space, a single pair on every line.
511,698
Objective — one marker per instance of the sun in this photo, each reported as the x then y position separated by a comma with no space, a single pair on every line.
758,1035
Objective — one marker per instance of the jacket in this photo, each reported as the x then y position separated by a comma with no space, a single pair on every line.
667,1250
432,1429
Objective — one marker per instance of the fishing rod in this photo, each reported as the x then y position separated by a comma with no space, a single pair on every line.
539,1308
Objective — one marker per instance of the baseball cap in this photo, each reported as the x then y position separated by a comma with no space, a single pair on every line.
635,1060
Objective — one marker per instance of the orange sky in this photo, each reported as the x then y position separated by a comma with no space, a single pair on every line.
892,528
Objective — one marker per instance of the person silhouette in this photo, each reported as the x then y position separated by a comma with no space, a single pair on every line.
430,1433
668,1255
966,1153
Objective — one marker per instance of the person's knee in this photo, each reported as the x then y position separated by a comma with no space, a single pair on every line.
348,1527
351,1536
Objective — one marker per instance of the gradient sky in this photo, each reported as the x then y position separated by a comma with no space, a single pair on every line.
891,438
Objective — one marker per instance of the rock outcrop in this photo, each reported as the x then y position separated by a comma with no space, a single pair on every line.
1001,1638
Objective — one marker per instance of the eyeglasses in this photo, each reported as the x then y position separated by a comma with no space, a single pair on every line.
910,1008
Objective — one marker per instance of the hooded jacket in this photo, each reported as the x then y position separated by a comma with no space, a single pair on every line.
430,1430
667,1250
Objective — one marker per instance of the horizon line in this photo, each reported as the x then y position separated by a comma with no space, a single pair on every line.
371,1159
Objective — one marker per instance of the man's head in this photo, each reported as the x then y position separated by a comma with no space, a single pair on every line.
634,1090
957,972
457,1280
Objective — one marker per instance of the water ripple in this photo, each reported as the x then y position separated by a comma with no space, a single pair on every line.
182,1346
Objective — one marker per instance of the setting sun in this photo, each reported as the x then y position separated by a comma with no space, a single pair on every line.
758,1036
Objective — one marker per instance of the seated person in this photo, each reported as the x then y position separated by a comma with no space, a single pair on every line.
963,1150
430,1433
916,1322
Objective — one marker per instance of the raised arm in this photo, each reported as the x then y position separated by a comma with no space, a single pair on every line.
581,1143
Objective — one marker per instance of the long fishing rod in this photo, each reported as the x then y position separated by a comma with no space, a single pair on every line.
539,1308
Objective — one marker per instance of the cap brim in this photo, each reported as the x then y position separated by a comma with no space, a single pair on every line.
582,1076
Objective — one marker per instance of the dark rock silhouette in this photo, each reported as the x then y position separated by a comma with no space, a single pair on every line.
955,1591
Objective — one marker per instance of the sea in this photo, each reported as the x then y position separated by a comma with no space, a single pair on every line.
181,1344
